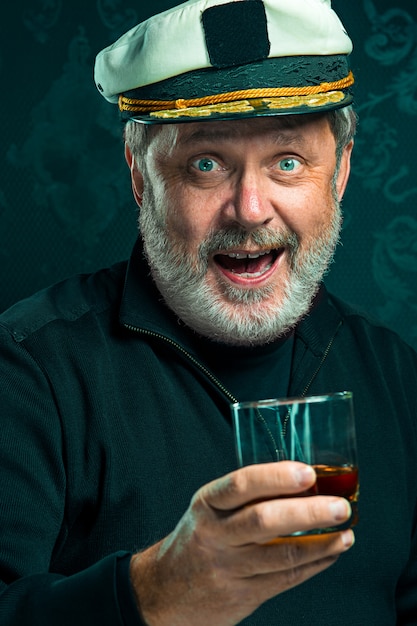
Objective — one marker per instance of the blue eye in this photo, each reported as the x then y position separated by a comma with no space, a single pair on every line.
206,165
288,165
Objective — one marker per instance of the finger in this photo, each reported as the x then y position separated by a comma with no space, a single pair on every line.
287,553
266,520
257,482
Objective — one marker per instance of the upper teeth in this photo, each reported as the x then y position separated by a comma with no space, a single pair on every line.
251,255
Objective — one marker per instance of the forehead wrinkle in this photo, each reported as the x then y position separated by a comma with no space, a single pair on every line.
210,134
287,137
277,133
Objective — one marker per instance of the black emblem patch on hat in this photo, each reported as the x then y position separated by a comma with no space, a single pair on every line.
236,33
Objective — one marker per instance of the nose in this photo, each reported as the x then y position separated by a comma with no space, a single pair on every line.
250,207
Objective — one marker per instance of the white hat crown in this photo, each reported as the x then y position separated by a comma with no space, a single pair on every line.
176,42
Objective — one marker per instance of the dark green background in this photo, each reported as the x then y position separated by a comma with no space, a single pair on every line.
65,202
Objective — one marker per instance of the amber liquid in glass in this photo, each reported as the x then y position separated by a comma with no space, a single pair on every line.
332,480
337,480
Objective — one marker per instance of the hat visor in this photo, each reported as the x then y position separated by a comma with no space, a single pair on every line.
241,109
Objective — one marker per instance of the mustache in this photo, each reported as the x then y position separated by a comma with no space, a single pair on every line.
235,236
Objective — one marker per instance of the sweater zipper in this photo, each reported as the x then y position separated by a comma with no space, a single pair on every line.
323,358
316,371
189,356
210,375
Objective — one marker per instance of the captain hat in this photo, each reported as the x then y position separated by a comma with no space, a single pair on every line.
220,59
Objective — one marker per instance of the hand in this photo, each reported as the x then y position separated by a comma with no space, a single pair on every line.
224,559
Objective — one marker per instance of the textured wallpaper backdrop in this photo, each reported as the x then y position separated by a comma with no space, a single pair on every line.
65,201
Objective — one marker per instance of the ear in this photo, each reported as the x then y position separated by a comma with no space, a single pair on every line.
344,170
135,175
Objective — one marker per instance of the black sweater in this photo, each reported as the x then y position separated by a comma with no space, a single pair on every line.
110,420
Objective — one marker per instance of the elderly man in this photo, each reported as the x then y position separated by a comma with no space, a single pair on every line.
121,501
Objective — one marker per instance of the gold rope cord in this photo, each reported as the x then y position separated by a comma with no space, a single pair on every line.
147,106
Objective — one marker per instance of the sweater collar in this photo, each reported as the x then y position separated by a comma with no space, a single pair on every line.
143,308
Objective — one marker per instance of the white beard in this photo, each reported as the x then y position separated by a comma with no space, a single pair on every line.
234,316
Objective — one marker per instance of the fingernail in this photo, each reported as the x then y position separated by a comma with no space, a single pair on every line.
340,509
305,475
348,538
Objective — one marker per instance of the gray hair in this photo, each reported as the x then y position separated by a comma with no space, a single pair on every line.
342,123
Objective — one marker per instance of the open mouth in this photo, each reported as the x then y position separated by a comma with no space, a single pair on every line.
248,264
